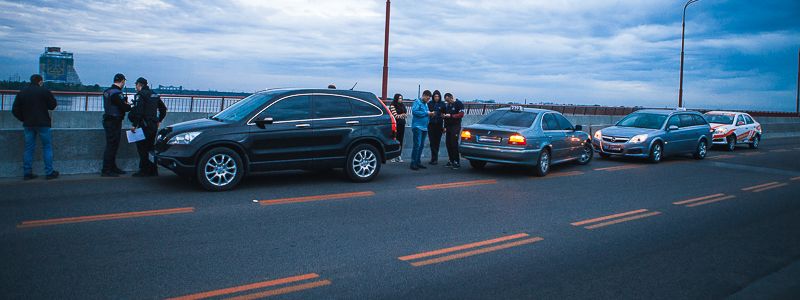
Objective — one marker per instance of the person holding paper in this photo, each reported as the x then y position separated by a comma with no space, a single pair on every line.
115,105
147,113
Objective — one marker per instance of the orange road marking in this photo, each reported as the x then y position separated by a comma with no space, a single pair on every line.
281,291
711,201
604,224
721,156
579,223
456,184
697,199
752,153
476,252
619,168
246,287
462,247
316,198
780,150
770,187
795,178
760,186
137,214
564,174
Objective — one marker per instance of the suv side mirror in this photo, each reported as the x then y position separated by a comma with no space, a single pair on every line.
672,127
578,128
261,123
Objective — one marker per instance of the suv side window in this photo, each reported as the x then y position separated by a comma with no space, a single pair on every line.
686,120
674,120
748,119
361,108
699,120
563,123
326,106
292,108
549,122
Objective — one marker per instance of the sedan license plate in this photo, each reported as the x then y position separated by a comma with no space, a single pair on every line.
612,147
489,139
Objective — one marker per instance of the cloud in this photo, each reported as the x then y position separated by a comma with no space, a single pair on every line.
587,52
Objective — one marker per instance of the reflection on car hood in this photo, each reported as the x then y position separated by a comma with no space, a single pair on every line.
195,125
715,125
626,132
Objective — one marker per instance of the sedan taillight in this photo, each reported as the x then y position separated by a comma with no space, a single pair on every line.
517,139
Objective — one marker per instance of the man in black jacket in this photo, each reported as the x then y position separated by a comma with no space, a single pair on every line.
31,107
115,105
454,112
146,114
436,125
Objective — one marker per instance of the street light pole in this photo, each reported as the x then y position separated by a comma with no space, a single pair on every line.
386,54
683,32
797,105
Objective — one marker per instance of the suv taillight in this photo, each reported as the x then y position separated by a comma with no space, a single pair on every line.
394,122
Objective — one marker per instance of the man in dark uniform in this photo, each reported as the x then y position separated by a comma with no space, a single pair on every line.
454,112
147,113
115,105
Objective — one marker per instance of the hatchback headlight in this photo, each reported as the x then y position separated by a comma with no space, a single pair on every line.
183,138
721,130
598,134
639,139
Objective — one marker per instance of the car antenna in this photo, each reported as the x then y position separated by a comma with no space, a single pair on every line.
354,86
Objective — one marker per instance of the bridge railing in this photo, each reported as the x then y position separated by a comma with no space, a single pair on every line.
93,101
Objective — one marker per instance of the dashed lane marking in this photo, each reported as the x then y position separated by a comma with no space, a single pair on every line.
500,243
316,198
704,200
616,218
456,184
755,187
261,285
619,168
770,187
104,217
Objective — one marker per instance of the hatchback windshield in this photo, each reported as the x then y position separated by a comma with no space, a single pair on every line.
243,108
509,118
719,119
643,120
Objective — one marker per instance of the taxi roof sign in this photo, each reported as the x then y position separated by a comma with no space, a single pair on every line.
516,108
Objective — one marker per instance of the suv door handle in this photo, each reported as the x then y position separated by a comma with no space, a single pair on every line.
302,125
352,122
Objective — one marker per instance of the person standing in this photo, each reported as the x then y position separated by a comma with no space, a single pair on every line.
32,107
436,125
147,113
398,110
115,105
454,112
419,128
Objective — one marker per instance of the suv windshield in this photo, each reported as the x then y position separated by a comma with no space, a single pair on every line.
643,120
239,110
509,118
720,119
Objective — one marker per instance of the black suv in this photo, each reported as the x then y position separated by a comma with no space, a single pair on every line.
282,129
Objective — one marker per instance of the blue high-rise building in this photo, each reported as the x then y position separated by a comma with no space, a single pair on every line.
58,66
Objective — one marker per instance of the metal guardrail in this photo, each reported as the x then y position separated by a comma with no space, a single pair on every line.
93,101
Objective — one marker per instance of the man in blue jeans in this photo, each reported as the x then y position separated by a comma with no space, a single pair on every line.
31,107
419,128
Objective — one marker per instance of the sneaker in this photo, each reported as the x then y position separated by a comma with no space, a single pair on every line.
414,167
422,167
109,174
51,176
140,174
456,166
399,159
30,177
433,163
118,171
449,164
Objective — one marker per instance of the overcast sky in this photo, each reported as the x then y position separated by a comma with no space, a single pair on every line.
740,54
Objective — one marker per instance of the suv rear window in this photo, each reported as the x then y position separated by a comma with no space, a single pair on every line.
509,118
331,107
361,108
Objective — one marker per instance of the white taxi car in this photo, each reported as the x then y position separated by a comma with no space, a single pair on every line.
733,128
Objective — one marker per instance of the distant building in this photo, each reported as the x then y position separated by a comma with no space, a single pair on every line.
15,78
169,88
58,66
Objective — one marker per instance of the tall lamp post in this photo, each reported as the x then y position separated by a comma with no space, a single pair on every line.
797,103
386,54
683,32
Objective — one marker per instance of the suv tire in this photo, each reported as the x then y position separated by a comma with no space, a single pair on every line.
363,163
220,169
701,150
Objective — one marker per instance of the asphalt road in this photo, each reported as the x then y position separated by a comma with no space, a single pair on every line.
615,228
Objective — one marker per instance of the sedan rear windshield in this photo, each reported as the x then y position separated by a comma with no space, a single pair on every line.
643,120
509,118
720,119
